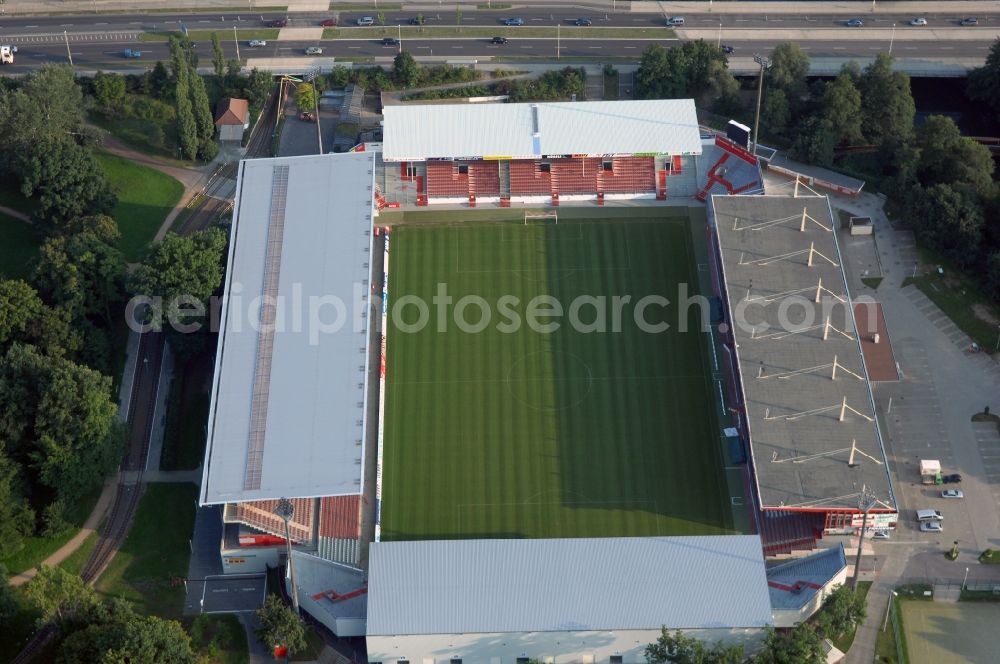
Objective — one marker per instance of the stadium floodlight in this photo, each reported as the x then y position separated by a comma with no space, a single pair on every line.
284,511
866,501
765,63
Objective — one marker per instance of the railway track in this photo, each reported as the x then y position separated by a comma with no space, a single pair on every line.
142,401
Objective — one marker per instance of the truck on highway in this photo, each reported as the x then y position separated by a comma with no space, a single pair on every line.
7,55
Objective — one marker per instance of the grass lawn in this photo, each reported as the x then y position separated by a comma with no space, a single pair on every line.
220,638
845,642
528,433
872,282
187,414
136,132
470,32
145,198
19,243
76,560
950,632
206,35
961,300
155,552
37,549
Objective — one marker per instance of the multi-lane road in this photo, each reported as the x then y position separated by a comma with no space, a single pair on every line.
99,41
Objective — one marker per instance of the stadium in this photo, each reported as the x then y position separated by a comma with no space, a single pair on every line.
561,370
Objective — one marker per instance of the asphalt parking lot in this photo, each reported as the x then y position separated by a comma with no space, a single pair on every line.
233,593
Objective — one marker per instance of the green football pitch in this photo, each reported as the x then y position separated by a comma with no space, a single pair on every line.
521,431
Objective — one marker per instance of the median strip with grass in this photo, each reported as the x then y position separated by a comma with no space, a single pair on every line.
206,35
455,32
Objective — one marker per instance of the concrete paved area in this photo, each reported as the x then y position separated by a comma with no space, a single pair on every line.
205,561
938,633
233,593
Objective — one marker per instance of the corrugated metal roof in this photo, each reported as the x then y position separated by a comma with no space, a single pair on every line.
525,585
662,126
314,422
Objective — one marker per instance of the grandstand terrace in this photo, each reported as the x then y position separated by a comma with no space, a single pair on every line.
542,153
288,408
801,389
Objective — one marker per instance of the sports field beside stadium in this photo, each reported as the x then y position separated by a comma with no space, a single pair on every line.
518,432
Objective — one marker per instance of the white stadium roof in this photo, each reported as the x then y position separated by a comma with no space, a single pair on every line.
506,131
544,585
287,416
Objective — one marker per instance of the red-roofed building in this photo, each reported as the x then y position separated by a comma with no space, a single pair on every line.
232,117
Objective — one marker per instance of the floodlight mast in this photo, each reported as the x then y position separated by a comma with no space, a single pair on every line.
284,511
765,63
866,501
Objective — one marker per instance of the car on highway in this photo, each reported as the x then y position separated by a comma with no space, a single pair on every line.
132,53
855,23
256,43
390,41
727,49
954,478
952,493
675,20
969,20
279,23
307,116
918,20
499,40
514,21
583,21
329,23
931,527
366,20
314,50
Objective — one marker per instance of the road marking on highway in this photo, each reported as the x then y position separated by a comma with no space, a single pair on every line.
631,47
65,25
354,47
100,24
204,21
595,47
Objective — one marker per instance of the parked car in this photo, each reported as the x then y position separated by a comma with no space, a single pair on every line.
417,20
583,21
366,20
256,43
314,50
931,527
307,116
855,23
727,49
952,493
954,478
919,20
329,23
969,20
279,23
514,21
675,20
930,515
132,53
498,40
390,41
881,534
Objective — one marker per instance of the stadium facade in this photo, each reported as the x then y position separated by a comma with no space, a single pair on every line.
298,417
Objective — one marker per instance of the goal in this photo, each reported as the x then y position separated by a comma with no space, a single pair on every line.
543,217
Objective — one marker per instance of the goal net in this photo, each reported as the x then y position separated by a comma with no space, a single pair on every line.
542,217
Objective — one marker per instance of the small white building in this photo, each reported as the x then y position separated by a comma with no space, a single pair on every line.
560,600
232,118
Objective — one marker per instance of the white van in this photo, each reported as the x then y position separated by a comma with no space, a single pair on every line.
929,515
366,20
675,20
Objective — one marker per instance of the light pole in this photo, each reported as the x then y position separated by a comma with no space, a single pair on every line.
399,37
866,501
966,578
236,40
997,349
885,623
892,38
765,63
719,43
284,511
68,52
557,40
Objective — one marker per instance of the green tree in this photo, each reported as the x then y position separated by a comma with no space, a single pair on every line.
721,90
218,57
886,103
112,633
950,220
57,418
843,610
678,648
800,645
8,600
200,107
258,86
658,76
66,179
17,519
160,86
380,17
58,595
305,96
110,94
984,82
775,113
20,307
48,104
405,70
187,126
814,141
841,108
993,274
947,157
788,72
279,626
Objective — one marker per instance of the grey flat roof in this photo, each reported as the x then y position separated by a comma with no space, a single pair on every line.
662,126
781,160
794,583
542,585
801,448
303,386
